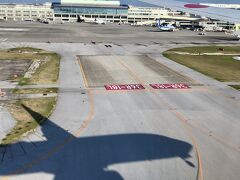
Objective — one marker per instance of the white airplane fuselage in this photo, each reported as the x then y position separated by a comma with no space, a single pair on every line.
93,20
165,27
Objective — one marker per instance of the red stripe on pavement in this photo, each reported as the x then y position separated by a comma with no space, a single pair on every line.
124,87
169,86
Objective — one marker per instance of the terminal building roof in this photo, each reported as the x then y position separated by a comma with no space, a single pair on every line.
95,2
91,5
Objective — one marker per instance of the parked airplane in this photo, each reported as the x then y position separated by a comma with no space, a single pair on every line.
227,15
165,27
92,20
144,23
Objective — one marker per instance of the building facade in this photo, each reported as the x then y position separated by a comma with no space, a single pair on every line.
107,10
213,25
25,12
110,11
95,2
141,14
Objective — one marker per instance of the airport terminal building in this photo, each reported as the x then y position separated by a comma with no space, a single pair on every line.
72,10
141,14
108,10
66,11
24,12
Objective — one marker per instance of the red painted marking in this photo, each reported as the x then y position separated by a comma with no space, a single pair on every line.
124,87
195,6
2,94
169,86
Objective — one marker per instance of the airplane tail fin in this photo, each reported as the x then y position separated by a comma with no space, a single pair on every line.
159,23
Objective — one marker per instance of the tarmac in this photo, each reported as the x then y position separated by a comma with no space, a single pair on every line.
7,122
137,134
110,33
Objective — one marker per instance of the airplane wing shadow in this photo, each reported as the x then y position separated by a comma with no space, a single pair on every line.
89,157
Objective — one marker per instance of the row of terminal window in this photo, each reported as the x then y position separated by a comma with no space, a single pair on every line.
89,16
10,11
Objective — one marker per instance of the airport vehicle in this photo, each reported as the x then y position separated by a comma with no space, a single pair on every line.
202,33
45,21
235,34
165,26
92,20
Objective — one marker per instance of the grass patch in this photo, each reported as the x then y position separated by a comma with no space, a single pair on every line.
25,49
36,112
5,54
222,68
236,87
208,49
23,81
21,53
46,73
35,91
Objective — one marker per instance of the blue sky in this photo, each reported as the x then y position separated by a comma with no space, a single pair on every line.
133,2
136,2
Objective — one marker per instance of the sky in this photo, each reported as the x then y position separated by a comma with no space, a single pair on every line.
133,2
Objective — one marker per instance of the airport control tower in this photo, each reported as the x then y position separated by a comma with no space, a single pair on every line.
96,2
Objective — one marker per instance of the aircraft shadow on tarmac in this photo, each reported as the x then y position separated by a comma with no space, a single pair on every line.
87,158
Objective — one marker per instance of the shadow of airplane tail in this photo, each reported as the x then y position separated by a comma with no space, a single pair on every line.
88,157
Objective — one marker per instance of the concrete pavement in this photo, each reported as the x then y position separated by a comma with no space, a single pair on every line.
149,134
7,122
27,96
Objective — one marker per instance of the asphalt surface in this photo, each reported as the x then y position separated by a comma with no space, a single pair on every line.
10,67
7,122
102,70
110,33
143,134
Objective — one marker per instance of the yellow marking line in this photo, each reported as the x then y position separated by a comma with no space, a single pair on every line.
183,119
218,138
83,74
226,96
179,116
190,134
89,117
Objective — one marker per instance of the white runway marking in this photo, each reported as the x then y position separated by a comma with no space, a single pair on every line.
3,40
13,29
